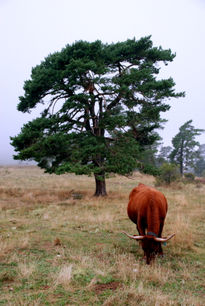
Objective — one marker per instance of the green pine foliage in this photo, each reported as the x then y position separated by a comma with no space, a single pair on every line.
185,147
199,166
102,107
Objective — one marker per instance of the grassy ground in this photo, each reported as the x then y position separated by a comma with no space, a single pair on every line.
61,246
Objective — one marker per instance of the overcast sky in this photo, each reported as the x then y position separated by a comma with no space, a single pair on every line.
32,29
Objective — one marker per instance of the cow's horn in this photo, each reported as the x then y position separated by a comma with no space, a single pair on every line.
135,237
163,239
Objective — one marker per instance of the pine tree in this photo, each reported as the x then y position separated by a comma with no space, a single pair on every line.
102,107
185,147
199,166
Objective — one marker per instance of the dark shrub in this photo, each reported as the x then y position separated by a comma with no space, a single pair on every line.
168,173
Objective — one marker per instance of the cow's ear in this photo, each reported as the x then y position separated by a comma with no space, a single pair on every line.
163,239
135,237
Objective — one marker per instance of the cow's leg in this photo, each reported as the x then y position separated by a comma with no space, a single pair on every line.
141,226
141,230
160,251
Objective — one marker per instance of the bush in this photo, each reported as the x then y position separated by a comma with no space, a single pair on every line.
149,169
168,173
189,177
203,173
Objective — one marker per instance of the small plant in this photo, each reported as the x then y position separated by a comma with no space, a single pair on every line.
168,173
189,177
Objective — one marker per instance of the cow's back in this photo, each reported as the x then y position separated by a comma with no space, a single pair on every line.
145,201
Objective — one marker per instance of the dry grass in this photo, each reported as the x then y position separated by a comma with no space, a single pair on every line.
64,277
61,246
26,269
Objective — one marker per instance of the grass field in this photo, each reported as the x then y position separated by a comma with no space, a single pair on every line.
59,245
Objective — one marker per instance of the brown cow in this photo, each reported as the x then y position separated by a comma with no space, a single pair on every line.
147,208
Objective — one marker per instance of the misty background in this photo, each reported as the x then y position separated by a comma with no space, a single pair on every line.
32,29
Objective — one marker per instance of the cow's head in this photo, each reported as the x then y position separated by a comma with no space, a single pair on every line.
150,244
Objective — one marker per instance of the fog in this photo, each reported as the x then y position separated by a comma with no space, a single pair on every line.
30,30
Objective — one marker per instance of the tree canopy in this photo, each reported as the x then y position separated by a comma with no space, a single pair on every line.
185,147
199,166
102,107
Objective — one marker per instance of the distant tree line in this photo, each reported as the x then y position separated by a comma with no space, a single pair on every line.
186,155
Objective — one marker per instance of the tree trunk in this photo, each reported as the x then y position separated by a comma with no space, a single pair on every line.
181,168
100,185
182,159
181,165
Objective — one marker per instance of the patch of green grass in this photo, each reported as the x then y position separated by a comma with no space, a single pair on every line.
93,263
83,278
